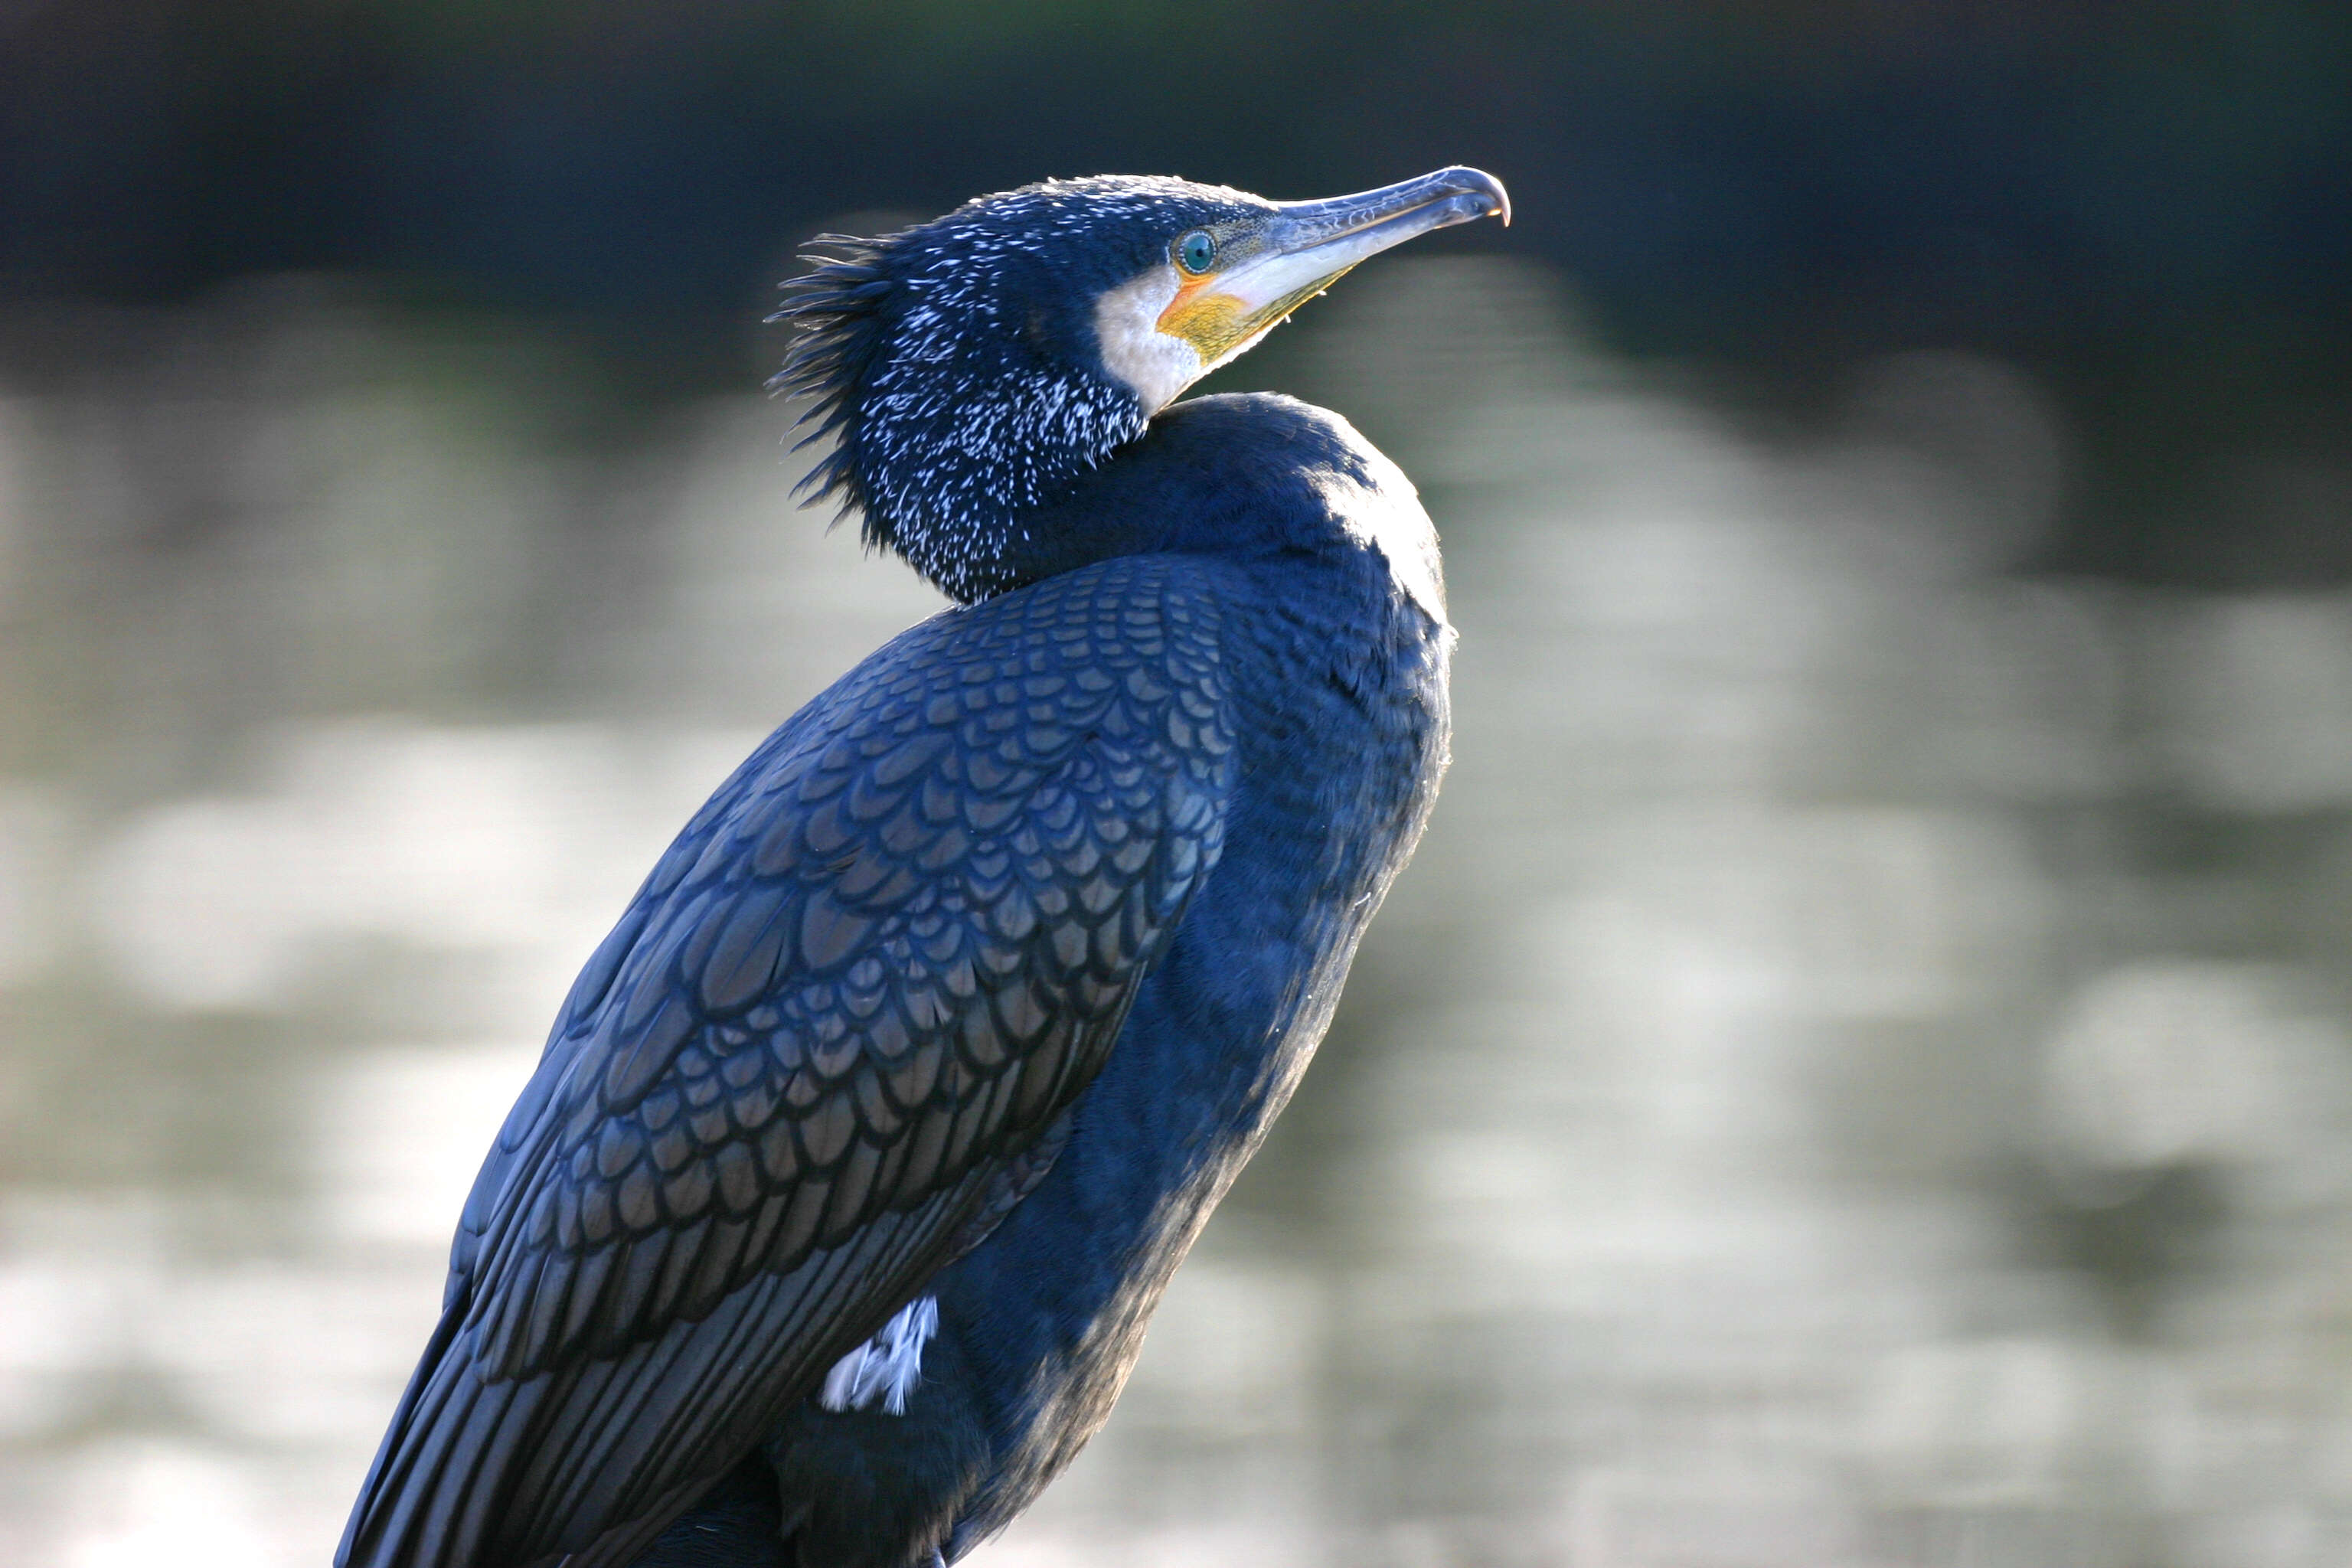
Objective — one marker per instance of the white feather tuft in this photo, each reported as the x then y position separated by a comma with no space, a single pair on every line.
886,1369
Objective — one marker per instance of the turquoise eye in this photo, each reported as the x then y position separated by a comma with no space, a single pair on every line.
1196,250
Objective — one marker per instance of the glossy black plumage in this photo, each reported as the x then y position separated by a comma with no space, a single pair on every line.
978,981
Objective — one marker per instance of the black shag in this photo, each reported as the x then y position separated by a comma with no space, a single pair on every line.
827,1231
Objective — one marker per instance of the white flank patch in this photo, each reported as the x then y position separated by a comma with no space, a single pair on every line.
1156,365
885,1368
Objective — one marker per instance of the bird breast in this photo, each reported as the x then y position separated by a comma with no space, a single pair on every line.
1381,511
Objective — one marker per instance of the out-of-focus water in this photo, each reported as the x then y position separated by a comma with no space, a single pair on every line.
1857,1076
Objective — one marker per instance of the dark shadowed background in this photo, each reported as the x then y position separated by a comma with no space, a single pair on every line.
1859,1072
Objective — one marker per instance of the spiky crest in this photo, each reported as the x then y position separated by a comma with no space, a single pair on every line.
954,365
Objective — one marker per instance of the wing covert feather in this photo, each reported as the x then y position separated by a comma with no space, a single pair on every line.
868,975
887,951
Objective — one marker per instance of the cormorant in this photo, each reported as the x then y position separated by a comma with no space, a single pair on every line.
826,1233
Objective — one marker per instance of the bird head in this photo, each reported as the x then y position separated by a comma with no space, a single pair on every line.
969,369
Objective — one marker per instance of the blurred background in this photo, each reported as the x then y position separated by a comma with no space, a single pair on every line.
1861,1071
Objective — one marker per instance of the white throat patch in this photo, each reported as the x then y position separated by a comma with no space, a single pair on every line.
1155,364
884,1370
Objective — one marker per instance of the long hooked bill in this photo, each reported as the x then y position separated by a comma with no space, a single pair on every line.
1305,247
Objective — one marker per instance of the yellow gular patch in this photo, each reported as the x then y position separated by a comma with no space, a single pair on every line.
1213,321
1221,324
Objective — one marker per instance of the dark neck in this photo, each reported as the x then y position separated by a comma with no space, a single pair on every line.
960,490
1232,476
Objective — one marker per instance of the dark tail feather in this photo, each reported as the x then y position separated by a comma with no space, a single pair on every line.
431,1498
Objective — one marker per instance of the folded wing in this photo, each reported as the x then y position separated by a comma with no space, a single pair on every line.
870,975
